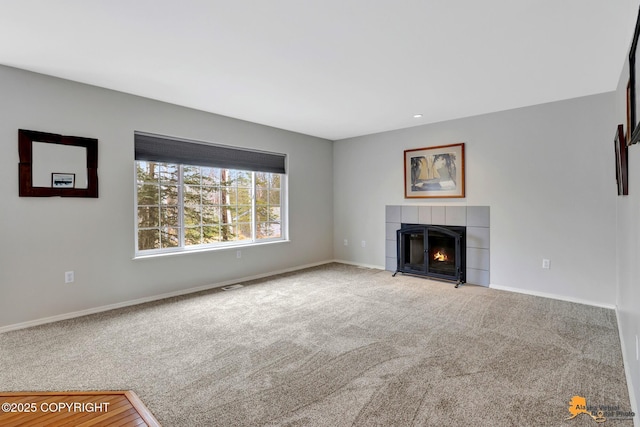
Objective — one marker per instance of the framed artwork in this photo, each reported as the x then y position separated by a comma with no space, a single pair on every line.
634,75
63,180
621,162
434,172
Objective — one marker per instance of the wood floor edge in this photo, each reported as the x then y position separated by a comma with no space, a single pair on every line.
62,393
136,404
139,405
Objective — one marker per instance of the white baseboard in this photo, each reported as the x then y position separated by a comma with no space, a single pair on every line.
359,264
129,303
552,296
627,372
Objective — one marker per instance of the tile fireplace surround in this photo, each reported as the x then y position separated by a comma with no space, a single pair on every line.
475,218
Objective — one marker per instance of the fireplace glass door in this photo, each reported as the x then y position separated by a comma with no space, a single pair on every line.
413,251
442,253
432,250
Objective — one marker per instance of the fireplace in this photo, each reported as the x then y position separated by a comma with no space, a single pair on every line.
436,251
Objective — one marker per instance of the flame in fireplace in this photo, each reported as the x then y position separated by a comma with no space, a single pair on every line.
440,256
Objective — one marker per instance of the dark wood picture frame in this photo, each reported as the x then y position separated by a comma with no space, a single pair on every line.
434,172
622,164
26,138
627,134
634,129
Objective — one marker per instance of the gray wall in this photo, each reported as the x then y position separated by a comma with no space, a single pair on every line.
44,237
546,172
628,252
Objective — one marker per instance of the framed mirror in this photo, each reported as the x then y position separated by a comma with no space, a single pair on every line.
57,165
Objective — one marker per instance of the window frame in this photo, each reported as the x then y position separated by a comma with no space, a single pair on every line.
182,248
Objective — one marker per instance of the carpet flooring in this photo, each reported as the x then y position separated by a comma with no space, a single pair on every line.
336,345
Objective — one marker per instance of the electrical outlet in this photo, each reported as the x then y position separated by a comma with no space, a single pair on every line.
346,242
69,276
363,243
238,254
546,264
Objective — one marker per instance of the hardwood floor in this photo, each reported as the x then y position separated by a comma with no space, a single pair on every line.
74,409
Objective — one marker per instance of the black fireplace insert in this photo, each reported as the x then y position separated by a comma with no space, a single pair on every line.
436,251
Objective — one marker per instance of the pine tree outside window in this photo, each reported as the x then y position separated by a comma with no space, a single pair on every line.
186,206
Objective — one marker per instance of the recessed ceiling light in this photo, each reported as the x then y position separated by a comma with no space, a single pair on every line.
417,116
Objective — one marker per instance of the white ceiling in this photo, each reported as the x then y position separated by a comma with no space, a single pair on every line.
329,68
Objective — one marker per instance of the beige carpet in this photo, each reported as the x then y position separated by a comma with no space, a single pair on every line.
336,345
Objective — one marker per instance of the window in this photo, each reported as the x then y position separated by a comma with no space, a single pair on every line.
188,206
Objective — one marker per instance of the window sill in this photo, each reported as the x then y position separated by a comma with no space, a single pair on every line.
236,247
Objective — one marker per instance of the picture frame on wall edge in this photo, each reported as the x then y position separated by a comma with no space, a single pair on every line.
634,75
620,147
